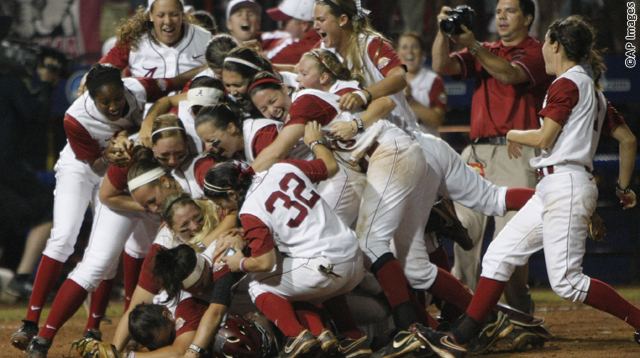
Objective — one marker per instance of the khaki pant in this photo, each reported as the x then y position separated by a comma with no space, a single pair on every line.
500,170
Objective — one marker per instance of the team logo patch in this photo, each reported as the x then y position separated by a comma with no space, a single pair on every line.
179,323
383,62
443,97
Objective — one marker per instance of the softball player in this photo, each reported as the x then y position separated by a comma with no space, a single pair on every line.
150,186
172,45
370,57
556,218
320,257
96,125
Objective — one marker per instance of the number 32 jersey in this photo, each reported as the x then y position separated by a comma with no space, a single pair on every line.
283,208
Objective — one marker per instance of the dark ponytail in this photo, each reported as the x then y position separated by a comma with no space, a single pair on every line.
578,38
228,176
171,266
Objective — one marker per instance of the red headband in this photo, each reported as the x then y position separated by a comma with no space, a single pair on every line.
263,80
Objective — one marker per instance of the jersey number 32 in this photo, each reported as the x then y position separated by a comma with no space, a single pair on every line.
299,203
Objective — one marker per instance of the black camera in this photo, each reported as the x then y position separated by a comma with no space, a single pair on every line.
461,15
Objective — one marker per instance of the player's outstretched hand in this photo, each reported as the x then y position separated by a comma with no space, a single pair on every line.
627,198
312,132
233,261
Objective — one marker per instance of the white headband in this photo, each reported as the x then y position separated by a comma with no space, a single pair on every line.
145,178
194,276
150,3
242,62
217,189
204,96
166,129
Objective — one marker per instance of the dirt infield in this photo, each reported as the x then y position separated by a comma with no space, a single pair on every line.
579,330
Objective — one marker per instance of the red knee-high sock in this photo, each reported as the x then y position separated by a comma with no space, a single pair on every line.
517,197
132,267
279,311
605,298
393,282
440,258
487,294
448,288
341,316
99,302
48,273
310,317
67,301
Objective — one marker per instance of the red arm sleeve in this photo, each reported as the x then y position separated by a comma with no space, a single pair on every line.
315,169
561,98
612,120
118,176
118,56
84,146
307,108
146,279
383,55
437,95
188,314
156,88
258,235
201,168
265,136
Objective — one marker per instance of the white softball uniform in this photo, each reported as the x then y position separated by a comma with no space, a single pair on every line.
88,133
319,257
557,216
427,88
157,60
379,57
112,228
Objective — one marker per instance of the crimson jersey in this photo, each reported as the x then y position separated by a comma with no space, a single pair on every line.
257,135
496,107
283,208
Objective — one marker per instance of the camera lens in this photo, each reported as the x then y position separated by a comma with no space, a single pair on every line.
448,25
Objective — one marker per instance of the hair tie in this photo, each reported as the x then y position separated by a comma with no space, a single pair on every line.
217,189
194,276
166,129
145,178
242,62
263,80
361,13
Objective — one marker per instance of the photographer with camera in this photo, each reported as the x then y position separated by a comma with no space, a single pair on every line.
510,86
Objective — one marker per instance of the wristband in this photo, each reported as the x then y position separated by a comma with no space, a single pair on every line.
359,124
242,268
131,354
475,48
314,143
195,348
362,96
369,95
626,190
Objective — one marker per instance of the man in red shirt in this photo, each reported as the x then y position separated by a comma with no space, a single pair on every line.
510,87
296,17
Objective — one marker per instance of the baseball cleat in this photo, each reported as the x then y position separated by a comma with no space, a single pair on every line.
304,345
23,336
328,343
439,342
499,328
636,336
38,347
404,342
354,348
